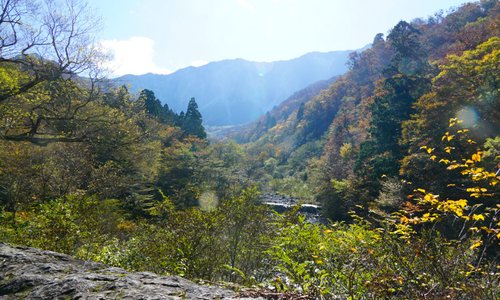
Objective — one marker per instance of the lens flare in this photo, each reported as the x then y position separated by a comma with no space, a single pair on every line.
208,200
264,68
469,116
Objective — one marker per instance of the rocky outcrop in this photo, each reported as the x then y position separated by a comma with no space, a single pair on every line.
28,273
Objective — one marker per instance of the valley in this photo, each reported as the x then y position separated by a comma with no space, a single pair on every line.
366,174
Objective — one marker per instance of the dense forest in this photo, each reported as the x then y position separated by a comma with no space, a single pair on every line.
402,152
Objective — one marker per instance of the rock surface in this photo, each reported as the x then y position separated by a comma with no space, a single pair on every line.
29,273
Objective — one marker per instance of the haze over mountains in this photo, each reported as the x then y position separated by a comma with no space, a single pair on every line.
238,91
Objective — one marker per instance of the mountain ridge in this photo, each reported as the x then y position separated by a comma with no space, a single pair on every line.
238,91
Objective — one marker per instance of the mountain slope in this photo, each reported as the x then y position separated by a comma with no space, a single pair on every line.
373,120
237,91
254,130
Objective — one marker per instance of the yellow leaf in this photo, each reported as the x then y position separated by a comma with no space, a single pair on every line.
430,197
488,230
476,157
477,217
429,150
476,244
427,217
433,157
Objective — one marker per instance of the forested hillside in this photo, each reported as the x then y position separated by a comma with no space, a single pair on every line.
402,152
280,113
398,96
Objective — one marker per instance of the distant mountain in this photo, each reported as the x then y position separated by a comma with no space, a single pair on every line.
238,91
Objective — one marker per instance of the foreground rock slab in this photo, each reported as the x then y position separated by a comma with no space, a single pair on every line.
29,273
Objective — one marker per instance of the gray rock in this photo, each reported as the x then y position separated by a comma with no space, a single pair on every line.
29,273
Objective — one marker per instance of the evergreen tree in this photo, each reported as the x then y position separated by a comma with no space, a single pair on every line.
381,154
410,55
300,112
154,108
151,103
192,121
270,121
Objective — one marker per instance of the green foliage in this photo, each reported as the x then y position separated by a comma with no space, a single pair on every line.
226,243
155,109
465,89
65,225
192,121
127,182
328,261
358,261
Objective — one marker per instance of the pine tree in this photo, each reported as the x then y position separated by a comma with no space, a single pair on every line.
192,121
151,103
154,108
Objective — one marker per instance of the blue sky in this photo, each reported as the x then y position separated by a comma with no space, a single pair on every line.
162,36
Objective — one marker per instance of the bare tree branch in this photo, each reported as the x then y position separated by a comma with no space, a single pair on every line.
47,39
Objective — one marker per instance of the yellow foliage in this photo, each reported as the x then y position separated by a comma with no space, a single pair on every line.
403,219
430,198
445,161
476,244
479,217
453,206
477,156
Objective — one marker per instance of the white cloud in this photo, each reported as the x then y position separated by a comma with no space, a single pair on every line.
199,63
131,56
